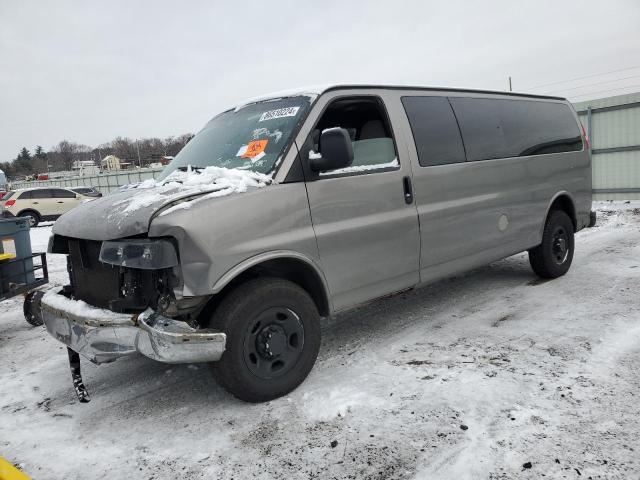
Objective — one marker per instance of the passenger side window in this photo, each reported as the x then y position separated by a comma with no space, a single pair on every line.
44,193
60,193
366,121
435,130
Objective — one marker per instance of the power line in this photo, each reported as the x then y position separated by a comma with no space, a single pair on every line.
591,84
607,91
581,78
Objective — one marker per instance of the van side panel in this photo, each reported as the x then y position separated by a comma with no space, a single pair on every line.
475,212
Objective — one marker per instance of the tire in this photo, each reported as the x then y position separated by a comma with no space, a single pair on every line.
257,312
552,258
31,308
35,217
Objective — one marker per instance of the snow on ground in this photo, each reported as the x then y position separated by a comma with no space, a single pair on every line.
479,376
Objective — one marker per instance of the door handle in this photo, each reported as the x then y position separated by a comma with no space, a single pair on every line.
408,190
60,201
35,203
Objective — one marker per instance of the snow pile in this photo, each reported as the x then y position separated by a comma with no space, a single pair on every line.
77,308
616,214
217,181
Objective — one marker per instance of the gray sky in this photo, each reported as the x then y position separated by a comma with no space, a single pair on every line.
90,71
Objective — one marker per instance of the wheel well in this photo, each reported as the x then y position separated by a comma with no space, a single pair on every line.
296,271
565,204
29,210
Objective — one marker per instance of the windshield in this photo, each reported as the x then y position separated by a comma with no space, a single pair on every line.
6,196
253,137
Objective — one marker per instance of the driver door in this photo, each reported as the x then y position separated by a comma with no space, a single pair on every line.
365,224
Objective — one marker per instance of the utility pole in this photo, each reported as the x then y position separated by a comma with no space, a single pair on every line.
510,89
138,147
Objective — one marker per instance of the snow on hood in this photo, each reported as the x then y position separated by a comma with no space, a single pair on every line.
180,184
128,211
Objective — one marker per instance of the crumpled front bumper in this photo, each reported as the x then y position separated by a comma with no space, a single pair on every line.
103,336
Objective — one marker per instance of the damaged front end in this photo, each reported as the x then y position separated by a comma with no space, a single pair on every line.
121,301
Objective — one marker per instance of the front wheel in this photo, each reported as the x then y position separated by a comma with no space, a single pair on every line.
273,338
552,258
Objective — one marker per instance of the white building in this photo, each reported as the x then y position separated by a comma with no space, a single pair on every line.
110,163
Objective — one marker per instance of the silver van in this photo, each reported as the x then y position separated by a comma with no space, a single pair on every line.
294,206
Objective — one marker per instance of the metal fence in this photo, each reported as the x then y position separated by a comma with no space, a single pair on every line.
613,127
105,182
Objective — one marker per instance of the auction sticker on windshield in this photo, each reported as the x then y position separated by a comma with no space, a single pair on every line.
279,113
254,148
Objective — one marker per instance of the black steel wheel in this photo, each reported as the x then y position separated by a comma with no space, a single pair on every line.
553,257
273,337
560,244
273,343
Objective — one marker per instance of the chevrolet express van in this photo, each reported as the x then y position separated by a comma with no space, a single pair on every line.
301,204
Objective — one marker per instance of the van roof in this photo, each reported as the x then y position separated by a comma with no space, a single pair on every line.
315,90
39,188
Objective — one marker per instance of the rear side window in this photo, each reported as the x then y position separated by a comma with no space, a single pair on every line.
25,196
501,128
435,130
60,193
44,193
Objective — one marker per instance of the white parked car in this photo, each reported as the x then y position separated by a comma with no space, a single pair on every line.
40,204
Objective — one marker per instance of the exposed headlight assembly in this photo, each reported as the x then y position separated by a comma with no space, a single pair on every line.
141,253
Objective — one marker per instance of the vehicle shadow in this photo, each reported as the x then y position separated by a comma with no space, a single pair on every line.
384,317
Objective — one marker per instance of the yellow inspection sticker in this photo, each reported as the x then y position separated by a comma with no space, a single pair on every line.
9,472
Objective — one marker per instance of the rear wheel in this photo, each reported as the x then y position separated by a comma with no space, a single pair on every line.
273,338
34,217
552,258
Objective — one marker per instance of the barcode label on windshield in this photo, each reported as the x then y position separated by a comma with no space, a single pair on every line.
279,113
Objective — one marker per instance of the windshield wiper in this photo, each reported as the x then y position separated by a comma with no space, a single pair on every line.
184,169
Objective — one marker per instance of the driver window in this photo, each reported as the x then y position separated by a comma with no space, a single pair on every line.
369,130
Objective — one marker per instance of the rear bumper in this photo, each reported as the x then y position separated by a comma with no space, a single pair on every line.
103,336
7,214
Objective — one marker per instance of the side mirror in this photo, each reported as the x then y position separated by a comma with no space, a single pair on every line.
336,151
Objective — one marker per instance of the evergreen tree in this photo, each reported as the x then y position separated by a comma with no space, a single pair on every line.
23,162
24,155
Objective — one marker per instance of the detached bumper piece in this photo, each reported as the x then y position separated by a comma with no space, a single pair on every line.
76,376
103,336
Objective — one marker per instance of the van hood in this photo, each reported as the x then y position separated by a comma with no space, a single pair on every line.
129,211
